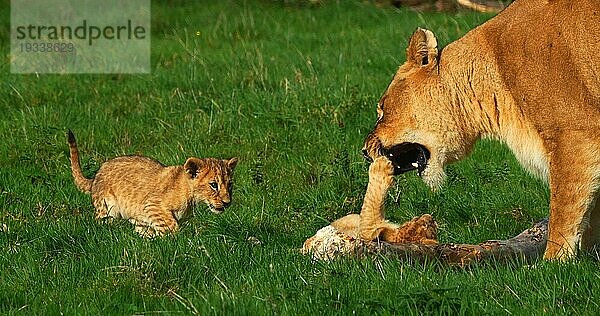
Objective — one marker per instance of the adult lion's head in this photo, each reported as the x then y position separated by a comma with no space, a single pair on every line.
415,127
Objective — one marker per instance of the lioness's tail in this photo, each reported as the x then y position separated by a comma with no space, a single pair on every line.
84,184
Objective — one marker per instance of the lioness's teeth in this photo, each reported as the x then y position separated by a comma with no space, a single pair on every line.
414,164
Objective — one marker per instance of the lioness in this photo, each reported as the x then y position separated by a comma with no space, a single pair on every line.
529,77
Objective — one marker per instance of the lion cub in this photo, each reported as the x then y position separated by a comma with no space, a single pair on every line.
150,195
371,223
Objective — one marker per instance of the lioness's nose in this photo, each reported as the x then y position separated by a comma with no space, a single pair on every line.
365,153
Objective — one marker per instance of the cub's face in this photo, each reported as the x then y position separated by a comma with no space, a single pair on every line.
415,128
211,181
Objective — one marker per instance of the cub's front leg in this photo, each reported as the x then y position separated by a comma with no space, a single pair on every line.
155,220
372,220
574,188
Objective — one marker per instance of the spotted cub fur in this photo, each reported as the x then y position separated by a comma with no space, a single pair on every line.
150,195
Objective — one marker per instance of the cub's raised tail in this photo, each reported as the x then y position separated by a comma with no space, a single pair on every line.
84,184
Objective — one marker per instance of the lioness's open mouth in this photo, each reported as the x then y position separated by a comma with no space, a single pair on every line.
406,157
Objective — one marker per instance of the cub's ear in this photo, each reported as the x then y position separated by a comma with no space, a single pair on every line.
422,50
192,166
231,163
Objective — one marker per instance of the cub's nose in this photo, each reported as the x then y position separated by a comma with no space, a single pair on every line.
365,153
226,203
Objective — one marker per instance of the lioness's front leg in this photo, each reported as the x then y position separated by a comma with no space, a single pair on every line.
372,220
574,185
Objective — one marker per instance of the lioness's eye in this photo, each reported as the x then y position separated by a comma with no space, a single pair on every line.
214,186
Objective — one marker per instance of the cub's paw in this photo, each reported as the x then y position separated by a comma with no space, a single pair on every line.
381,168
102,215
146,231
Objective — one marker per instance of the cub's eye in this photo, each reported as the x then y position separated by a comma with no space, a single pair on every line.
214,185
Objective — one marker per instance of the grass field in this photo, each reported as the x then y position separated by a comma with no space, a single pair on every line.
291,90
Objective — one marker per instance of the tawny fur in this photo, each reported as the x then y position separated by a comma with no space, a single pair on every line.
150,195
372,218
371,224
528,77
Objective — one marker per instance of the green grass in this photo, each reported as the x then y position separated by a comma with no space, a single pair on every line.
290,89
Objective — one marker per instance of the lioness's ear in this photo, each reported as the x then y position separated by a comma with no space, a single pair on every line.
422,50
192,166
231,163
